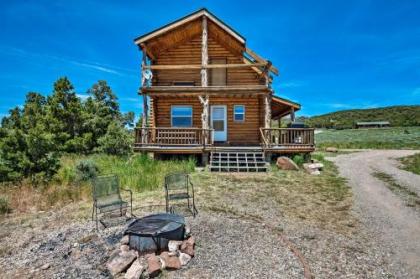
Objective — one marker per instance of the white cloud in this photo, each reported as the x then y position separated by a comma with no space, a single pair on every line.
82,96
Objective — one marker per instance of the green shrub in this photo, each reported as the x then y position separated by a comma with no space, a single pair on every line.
4,205
318,157
86,170
299,159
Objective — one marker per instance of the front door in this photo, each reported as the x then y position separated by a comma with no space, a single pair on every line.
219,122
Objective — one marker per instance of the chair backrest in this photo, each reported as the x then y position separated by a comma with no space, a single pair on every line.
176,181
104,186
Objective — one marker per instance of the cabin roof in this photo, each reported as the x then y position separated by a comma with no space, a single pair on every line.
281,107
188,18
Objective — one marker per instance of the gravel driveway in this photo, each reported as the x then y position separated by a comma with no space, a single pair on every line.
385,214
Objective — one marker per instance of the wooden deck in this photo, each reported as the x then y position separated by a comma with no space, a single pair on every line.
198,141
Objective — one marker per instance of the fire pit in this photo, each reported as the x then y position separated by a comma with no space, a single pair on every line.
152,233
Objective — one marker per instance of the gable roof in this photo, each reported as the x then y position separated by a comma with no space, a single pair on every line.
188,18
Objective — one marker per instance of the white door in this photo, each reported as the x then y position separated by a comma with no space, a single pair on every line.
219,122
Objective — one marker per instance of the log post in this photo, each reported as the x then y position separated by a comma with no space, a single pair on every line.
292,114
267,105
204,53
145,106
204,79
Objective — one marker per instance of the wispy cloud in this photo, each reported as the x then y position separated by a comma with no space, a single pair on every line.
361,105
81,63
291,84
416,92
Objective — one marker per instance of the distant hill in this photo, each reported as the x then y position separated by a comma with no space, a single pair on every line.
398,116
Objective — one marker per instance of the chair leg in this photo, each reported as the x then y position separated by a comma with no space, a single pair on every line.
96,213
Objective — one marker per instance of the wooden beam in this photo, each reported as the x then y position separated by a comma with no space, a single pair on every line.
261,60
204,53
145,49
245,88
198,67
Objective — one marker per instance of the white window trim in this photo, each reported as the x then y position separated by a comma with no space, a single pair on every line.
182,106
234,113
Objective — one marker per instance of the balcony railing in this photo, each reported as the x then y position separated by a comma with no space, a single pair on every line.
287,137
174,136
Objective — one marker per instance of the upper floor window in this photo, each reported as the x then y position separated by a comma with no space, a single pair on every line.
239,113
218,77
181,116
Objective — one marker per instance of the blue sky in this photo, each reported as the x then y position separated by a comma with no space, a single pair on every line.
332,55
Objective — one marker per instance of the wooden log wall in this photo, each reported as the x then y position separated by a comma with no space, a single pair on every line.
190,53
246,132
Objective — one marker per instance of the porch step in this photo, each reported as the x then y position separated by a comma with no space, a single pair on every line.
237,161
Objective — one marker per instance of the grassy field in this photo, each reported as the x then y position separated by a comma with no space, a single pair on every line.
387,138
411,163
137,172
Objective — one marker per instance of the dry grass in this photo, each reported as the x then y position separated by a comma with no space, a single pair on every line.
324,200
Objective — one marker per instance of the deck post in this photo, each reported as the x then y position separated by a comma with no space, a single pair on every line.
204,79
292,114
267,104
145,106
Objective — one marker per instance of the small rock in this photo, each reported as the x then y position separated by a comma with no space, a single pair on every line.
187,246
286,163
45,266
75,244
173,245
120,261
313,168
125,240
170,262
184,258
187,231
153,265
135,270
124,248
331,149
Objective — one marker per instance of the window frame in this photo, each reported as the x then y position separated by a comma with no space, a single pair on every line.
243,113
182,106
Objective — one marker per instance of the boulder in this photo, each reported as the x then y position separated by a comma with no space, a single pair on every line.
187,246
184,258
119,261
153,265
331,149
170,262
135,270
173,245
285,163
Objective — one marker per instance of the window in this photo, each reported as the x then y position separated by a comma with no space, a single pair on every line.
239,113
181,116
218,76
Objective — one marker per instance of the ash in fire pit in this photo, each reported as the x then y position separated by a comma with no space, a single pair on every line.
152,233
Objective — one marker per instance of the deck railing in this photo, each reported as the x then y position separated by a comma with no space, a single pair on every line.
287,137
173,136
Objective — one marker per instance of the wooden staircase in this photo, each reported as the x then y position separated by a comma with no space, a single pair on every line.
237,161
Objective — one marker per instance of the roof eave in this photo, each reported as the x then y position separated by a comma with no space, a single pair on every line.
202,12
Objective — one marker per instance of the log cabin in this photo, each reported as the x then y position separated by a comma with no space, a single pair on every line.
205,92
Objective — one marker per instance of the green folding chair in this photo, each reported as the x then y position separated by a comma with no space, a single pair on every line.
107,198
178,186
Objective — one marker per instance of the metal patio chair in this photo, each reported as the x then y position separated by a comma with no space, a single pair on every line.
178,186
107,198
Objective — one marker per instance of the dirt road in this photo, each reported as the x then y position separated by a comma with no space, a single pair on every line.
384,212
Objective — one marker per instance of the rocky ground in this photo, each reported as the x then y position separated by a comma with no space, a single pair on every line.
240,231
